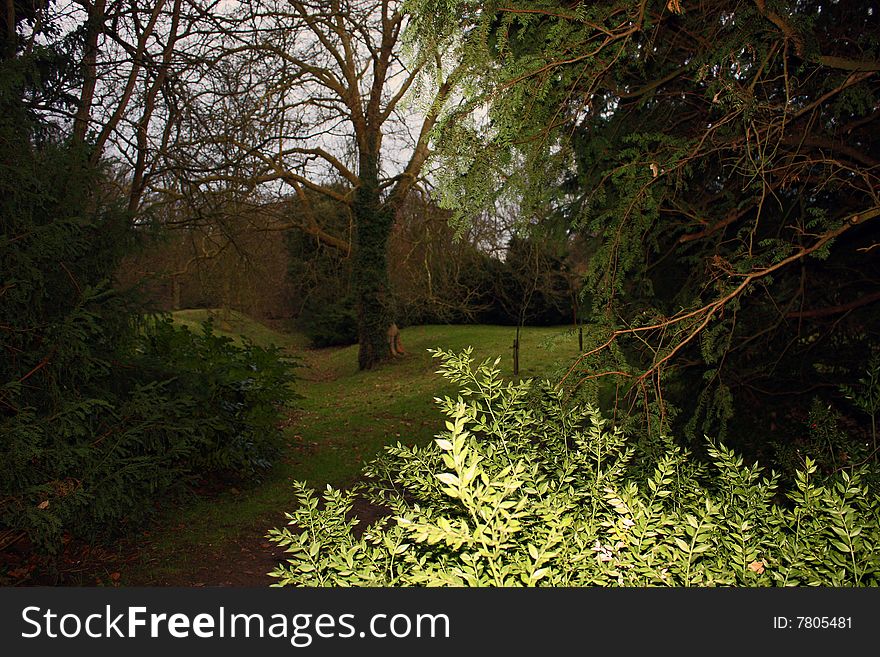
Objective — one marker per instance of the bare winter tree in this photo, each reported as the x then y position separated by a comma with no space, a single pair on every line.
126,78
303,94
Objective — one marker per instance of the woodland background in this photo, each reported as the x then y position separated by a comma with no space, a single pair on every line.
688,190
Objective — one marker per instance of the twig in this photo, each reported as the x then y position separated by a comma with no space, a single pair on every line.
707,311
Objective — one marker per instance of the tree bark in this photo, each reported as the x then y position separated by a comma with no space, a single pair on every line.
94,28
373,221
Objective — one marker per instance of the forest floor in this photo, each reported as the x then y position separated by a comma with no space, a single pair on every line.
344,418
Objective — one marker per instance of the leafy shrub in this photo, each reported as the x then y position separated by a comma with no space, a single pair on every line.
98,420
236,391
330,323
523,488
180,407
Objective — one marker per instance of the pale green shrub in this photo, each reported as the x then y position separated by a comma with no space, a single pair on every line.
524,489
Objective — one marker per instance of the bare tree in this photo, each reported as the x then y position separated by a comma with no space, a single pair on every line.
257,100
129,81
120,81
303,94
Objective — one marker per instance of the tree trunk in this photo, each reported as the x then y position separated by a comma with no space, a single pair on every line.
94,28
373,221
516,352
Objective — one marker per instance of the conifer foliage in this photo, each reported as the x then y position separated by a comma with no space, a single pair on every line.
722,160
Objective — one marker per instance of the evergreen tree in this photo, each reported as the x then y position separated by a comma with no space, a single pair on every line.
720,159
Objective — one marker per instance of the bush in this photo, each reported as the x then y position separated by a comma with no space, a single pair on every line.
180,407
236,392
99,419
330,323
524,489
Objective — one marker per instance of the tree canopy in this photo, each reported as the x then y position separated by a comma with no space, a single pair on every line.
721,157
307,97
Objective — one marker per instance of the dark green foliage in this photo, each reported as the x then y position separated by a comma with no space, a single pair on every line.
721,159
503,292
436,278
60,324
332,324
373,222
175,408
235,390
321,280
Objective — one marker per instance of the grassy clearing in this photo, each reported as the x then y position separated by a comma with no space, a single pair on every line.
345,418
235,325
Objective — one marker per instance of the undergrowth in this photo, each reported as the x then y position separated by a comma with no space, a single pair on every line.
524,488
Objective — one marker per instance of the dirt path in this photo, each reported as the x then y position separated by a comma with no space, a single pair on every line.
241,562
244,561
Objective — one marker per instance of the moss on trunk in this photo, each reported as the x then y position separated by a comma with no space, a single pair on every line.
373,221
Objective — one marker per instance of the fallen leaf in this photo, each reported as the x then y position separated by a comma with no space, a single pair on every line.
43,505
757,567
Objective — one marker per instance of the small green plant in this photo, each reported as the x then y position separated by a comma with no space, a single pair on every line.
524,489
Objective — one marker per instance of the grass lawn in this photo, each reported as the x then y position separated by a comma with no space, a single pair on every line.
345,417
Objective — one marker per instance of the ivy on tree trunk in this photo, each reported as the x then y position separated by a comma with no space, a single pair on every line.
373,221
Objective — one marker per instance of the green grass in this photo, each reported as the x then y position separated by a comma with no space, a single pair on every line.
346,416
236,325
